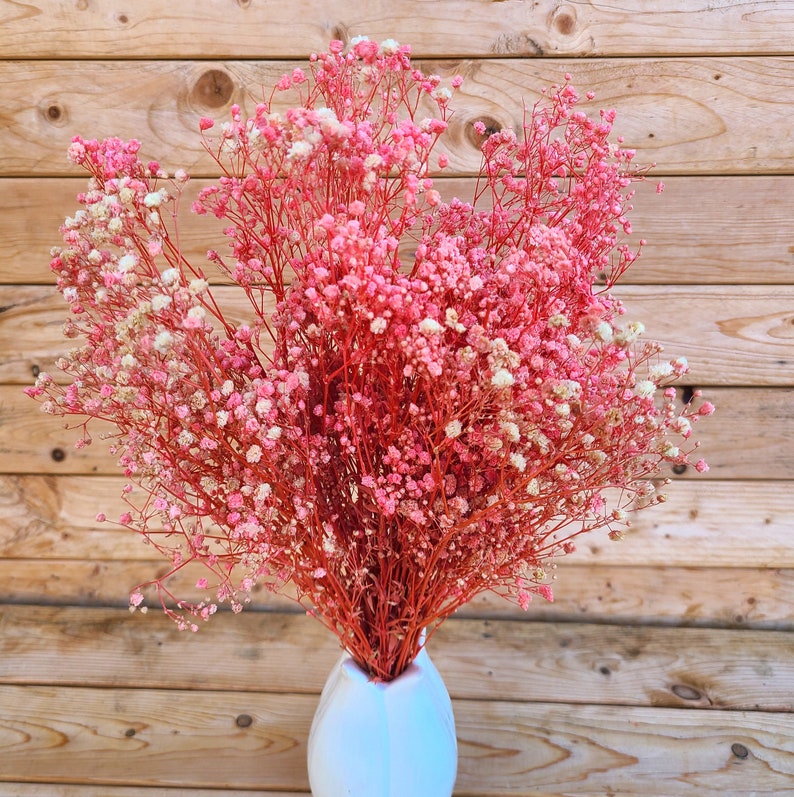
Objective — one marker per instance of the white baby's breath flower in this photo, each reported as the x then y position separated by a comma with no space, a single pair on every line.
163,342
99,210
502,378
299,149
327,115
127,262
659,371
682,426
645,388
429,326
254,454
153,199
511,431
669,450
629,334
197,312
604,332
453,429
452,321
377,325
160,302
518,461
389,47
198,286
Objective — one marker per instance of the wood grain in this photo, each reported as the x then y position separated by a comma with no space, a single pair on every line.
743,524
701,230
731,335
479,659
737,335
692,596
177,738
665,666
86,790
38,29
750,441
687,115
695,596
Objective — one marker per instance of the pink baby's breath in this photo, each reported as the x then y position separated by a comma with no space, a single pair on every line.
394,437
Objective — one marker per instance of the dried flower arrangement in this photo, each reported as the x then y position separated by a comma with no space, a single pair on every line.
390,437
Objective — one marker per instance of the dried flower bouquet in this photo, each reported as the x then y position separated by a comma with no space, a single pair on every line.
390,437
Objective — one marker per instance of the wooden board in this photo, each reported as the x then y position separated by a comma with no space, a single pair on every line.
85,790
192,738
252,29
701,230
688,115
743,524
664,668
695,596
499,660
758,423
731,335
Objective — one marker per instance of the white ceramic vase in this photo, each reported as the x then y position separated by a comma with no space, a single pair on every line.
394,739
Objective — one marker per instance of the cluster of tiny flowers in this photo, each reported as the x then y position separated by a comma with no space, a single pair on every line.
390,437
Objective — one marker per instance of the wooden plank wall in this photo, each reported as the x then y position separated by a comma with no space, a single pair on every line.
665,667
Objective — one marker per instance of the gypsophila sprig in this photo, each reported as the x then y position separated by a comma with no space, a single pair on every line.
390,437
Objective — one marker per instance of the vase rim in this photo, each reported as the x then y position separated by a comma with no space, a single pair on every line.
357,674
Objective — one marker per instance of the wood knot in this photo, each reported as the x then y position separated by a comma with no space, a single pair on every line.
739,750
340,33
565,24
213,89
58,454
563,20
122,19
244,721
54,113
487,124
686,692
